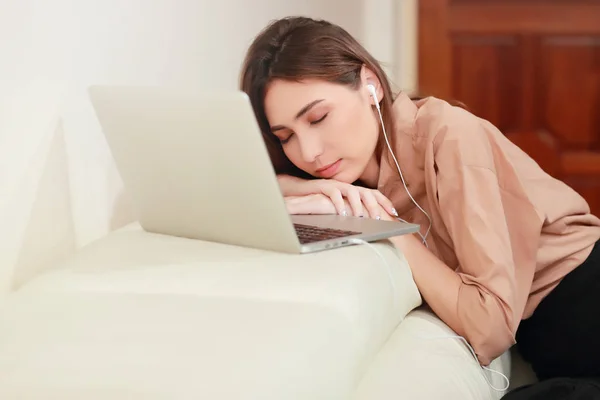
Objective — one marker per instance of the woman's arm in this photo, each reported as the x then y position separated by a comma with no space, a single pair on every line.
438,284
291,185
347,198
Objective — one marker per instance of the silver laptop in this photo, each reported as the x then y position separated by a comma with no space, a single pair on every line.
196,166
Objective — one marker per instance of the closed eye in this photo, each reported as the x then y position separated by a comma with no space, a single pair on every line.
284,141
319,120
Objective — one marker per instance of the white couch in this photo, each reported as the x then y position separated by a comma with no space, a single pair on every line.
133,315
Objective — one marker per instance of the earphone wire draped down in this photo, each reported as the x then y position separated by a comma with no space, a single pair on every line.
373,92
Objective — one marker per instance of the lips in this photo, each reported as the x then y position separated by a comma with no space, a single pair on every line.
329,170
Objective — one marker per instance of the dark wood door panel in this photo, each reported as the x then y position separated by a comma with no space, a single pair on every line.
525,16
452,2
486,76
530,67
569,74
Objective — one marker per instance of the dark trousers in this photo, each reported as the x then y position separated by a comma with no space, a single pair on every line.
561,340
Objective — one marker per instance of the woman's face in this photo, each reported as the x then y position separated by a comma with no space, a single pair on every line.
327,130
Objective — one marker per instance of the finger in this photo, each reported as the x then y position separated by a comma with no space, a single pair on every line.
385,203
347,204
336,198
370,202
355,200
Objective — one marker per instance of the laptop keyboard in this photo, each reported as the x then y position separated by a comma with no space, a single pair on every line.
310,234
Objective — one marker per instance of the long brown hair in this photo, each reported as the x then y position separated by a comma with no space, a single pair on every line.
298,48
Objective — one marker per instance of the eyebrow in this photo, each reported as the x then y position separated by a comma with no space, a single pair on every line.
303,111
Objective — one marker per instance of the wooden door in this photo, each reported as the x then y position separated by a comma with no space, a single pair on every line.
531,67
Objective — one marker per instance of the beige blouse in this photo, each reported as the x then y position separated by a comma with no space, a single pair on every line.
508,229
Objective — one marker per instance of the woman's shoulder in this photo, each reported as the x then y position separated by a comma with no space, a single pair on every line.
433,122
427,116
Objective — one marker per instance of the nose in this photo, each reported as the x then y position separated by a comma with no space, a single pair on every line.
311,146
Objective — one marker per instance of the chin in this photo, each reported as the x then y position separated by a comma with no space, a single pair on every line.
346,177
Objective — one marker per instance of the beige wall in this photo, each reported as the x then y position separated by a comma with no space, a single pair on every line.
53,49
406,17
390,34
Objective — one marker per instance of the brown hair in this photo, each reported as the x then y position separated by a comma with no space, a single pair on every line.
297,48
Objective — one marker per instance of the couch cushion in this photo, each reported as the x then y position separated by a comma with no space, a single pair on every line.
423,360
290,317
119,346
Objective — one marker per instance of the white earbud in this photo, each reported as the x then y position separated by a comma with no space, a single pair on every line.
373,92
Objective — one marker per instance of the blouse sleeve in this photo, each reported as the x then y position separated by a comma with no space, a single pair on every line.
495,231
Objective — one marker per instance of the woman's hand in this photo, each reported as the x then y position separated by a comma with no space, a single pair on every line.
322,204
346,199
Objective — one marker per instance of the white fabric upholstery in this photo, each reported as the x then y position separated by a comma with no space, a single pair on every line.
37,226
56,191
182,312
353,281
421,362
117,346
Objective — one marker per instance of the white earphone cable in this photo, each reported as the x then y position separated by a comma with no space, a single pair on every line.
376,101
462,339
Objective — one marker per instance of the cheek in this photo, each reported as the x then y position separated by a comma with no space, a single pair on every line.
355,133
293,153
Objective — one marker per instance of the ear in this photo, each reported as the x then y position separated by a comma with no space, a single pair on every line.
367,76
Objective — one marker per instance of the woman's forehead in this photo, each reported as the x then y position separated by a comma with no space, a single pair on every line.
292,96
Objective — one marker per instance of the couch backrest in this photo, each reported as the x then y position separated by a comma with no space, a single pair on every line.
39,183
